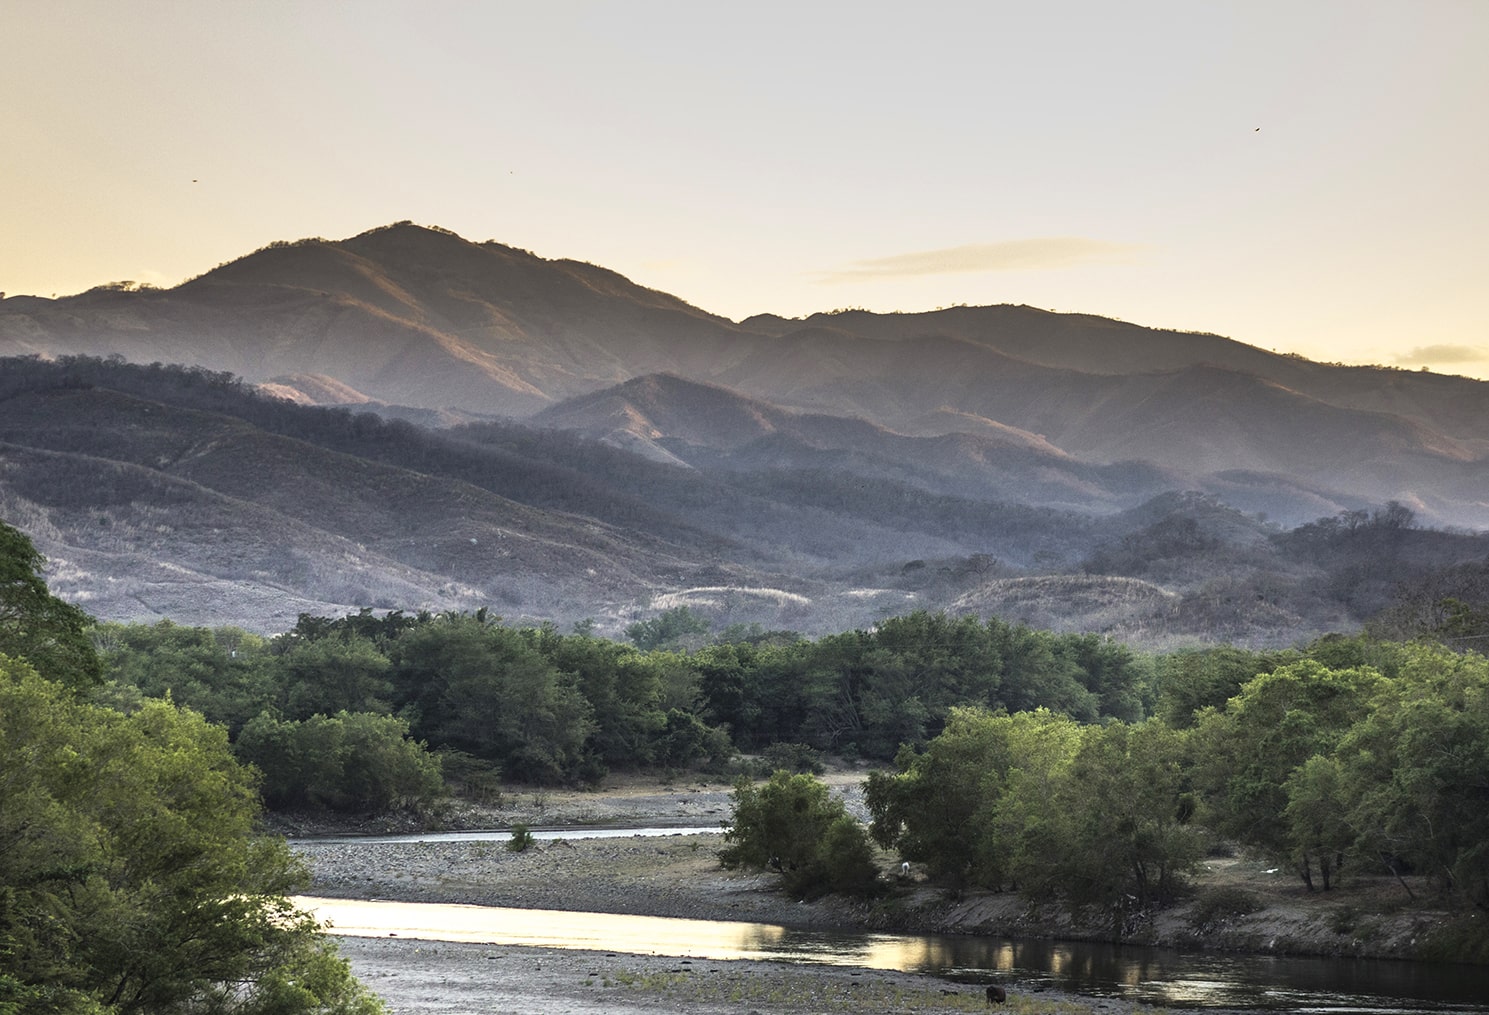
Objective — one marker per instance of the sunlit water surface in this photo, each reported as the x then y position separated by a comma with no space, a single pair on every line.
1159,976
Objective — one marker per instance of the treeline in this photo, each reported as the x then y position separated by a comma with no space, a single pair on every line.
1359,756
531,704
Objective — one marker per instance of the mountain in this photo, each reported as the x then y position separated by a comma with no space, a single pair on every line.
423,323
172,492
609,447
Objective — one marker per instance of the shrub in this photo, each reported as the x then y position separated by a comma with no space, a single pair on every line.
522,838
1216,905
793,825
794,758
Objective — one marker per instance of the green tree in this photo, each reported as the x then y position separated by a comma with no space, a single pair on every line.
1277,722
1126,844
342,673
971,802
482,688
1317,814
793,824
355,762
1417,769
131,879
669,629
37,626
226,674
1121,682
1192,679
623,688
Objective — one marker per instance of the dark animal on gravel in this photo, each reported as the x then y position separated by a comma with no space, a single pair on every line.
996,994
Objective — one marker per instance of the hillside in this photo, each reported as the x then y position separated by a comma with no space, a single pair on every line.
175,492
422,324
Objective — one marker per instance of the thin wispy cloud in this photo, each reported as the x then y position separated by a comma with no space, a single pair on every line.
1034,253
1424,354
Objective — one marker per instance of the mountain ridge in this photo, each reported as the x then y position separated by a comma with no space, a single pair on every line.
636,447
178,492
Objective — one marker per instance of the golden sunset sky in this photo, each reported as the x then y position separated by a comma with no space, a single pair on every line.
1310,176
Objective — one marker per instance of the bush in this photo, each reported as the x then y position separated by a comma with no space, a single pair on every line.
794,758
794,826
522,838
1215,906
352,762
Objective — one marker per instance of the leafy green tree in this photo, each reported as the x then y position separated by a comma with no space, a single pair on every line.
355,762
131,879
226,674
1417,769
1036,674
669,629
35,625
1126,844
966,806
342,673
1120,681
1277,722
1192,679
478,687
622,686
1317,814
794,825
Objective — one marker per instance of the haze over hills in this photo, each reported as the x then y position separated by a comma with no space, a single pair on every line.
630,447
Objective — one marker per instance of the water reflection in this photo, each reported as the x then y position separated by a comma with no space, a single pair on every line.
1158,976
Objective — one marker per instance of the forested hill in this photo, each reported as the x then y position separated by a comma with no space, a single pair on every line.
166,491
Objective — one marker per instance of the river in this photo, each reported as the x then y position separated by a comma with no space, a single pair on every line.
1153,975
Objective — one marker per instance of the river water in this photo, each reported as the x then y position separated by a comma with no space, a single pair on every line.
1154,975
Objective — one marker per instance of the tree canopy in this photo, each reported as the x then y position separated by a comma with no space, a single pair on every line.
131,879
37,626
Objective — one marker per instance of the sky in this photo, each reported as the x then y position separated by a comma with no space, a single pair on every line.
1308,176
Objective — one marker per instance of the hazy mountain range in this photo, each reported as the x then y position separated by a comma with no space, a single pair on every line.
572,445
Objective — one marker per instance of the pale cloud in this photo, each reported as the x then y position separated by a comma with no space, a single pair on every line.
1423,354
1040,252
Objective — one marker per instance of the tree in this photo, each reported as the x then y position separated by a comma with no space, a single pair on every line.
1417,770
1278,722
1192,679
482,688
226,674
969,804
794,825
131,879
668,629
357,762
37,626
344,673
1126,845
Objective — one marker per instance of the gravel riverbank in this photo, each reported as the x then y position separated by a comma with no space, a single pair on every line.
678,875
